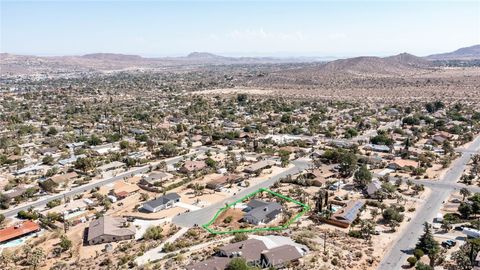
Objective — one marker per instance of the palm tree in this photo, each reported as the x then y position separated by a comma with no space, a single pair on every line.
465,193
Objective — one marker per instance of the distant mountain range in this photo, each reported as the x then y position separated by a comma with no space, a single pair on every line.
467,53
404,63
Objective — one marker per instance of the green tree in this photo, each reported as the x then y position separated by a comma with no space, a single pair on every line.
94,140
65,243
465,209
153,233
348,163
428,244
465,193
85,164
362,177
48,159
422,266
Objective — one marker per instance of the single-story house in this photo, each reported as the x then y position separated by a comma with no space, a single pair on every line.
377,148
280,256
261,212
249,249
155,177
193,166
399,164
259,166
346,215
163,202
122,189
214,263
219,182
110,166
19,230
60,179
109,229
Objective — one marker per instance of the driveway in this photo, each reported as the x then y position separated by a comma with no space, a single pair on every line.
156,253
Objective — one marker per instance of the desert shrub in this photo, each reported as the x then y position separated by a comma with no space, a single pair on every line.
412,260
355,234
418,253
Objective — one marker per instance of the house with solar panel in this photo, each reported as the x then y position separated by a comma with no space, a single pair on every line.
345,216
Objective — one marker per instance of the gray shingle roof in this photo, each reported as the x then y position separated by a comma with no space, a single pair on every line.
163,200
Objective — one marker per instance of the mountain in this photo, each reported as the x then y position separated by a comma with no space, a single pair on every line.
204,55
467,53
112,57
401,64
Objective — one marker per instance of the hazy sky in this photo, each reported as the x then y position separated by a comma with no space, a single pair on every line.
282,28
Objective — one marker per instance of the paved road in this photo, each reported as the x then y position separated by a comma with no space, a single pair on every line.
204,215
441,189
43,201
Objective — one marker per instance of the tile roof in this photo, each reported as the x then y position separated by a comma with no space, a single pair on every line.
13,232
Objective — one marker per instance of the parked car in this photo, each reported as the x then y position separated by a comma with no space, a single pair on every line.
458,228
456,200
449,243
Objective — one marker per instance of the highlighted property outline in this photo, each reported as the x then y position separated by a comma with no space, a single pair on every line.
277,228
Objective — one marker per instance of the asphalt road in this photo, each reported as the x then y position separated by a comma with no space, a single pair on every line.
441,189
204,215
44,200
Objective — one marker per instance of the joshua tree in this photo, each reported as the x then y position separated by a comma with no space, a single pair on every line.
465,193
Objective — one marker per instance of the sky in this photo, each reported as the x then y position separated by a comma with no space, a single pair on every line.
238,28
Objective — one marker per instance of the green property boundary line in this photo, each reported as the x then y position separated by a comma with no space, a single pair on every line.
277,228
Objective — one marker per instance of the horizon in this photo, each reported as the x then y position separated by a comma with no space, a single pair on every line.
284,29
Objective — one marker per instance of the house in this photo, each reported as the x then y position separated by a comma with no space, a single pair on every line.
155,177
122,189
163,202
220,182
106,148
15,193
193,166
346,215
61,179
110,166
249,249
259,166
280,256
70,160
19,230
399,164
214,263
377,148
261,212
108,229
373,187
